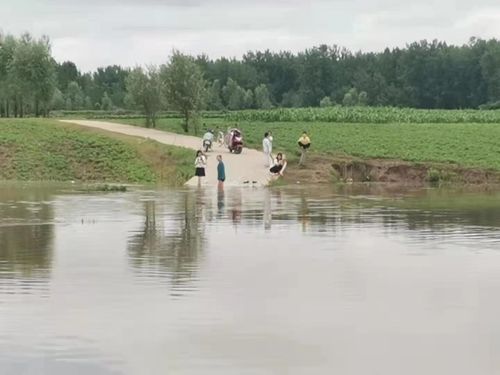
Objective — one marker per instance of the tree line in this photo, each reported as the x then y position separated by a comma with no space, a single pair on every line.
27,76
421,75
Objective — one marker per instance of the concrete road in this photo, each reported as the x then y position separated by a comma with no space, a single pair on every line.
245,169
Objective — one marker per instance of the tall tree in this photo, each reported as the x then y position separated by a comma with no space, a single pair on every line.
106,102
66,72
234,95
74,96
262,97
214,98
8,45
110,79
144,88
490,65
33,74
184,86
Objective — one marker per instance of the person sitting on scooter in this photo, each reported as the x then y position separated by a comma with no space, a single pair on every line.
208,140
209,136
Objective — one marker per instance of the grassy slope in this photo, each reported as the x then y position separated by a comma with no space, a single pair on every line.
469,145
36,150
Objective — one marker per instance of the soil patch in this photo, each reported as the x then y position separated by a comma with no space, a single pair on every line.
325,169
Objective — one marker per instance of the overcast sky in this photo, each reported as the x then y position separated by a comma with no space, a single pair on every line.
94,33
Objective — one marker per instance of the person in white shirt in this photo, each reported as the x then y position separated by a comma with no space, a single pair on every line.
267,148
200,163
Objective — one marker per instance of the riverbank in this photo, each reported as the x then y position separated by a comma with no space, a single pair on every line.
47,150
410,154
324,169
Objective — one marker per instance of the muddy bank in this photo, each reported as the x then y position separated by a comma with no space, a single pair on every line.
324,169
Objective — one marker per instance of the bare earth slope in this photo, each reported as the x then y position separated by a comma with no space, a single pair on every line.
246,168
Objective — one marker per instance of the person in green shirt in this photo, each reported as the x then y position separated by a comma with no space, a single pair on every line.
221,173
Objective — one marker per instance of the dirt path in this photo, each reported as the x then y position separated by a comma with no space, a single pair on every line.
249,166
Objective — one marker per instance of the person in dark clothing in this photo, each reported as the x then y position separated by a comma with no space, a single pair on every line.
221,173
279,165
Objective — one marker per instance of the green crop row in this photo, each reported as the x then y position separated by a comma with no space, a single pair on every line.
124,113
376,115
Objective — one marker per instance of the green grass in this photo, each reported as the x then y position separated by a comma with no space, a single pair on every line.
45,150
463,144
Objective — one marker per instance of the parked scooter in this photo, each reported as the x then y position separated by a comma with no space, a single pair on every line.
207,145
235,141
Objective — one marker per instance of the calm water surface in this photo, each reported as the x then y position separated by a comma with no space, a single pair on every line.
297,281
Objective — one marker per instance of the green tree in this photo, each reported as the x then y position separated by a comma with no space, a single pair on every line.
87,103
248,99
8,45
351,98
66,72
58,101
110,80
214,98
74,96
325,102
490,65
363,98
262,97
106,102
234,95
32,74
144,87
292,99
184,86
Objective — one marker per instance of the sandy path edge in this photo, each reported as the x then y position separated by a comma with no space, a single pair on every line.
243,169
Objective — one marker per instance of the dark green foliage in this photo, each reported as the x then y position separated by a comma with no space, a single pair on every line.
422,75
27,76
426,75
144,90
184,87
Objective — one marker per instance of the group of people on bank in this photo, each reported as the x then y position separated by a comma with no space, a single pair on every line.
276,164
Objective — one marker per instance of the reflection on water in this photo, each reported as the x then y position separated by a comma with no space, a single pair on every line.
170,243
220,203
249,281
26,232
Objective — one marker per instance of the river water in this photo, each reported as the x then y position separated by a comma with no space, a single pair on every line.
252,281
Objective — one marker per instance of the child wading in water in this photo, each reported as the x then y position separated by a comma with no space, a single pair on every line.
200,163
221,173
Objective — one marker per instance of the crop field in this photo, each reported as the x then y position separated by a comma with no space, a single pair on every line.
359,115
43,150
371,115
464,144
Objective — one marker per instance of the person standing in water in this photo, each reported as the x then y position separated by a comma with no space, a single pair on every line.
200,163
221,173
304,143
